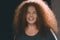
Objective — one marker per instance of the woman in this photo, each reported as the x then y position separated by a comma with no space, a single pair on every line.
32,21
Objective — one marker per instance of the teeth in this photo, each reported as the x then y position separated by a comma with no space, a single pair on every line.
31,18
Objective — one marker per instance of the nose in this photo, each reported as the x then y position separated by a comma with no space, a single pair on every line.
31,14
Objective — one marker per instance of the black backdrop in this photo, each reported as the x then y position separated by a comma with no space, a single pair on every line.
7,8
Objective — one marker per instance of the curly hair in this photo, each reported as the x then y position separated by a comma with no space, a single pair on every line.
19,22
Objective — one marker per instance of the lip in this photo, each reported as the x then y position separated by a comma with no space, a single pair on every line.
30,18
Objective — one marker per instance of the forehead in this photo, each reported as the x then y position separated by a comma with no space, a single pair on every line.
31,8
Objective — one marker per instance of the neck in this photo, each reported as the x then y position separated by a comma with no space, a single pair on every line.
31,30
32,26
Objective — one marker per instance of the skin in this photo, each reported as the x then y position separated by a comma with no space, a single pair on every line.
31,18
48,15
31,15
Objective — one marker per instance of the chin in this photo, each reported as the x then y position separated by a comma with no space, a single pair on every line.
31,22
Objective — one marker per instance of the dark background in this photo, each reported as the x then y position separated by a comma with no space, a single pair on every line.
55,4
7,8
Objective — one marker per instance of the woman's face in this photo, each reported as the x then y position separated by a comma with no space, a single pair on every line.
31,16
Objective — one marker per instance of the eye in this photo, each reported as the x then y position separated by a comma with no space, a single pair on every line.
28,12
34,12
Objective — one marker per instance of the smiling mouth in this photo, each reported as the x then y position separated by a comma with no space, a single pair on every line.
31,19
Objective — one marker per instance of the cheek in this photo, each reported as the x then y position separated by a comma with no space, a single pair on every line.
35,16
27,16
